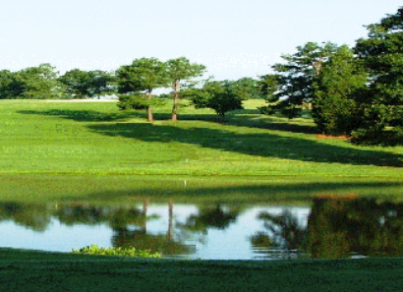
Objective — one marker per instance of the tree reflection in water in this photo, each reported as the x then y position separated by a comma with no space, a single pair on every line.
35,217
337,228
286,237
138,237
356,226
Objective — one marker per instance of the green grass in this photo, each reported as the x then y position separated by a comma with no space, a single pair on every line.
22,270
97,139
51,152
93,151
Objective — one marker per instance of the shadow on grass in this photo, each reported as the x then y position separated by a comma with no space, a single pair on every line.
84,115
234,120
258,144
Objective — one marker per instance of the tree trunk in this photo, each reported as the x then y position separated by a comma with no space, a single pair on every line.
145,209
175,87
170,220
149,110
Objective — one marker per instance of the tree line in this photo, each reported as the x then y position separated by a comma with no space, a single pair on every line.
357,92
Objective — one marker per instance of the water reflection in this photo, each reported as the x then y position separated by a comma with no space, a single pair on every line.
331,228
340,228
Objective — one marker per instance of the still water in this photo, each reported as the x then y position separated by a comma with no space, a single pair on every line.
325,228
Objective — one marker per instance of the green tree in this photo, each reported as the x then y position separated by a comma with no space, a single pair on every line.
35,83
335,110
382,104
247,88
296,76
143,74
268,87
179,70
217,95
11,85
81,84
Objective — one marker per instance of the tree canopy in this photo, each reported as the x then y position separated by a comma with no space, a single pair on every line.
295,77
382,105
81,84
217,95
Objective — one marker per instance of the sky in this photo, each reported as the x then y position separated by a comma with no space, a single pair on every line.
232,38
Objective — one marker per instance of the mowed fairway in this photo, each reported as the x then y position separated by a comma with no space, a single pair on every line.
92,151
96,138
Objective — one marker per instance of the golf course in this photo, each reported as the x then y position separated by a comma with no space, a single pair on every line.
93,153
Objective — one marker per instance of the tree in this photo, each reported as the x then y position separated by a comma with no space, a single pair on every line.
334,108
178,70
268,87
217,95
81,84
382,105
31,83
143,74
11,85
296,76
246,88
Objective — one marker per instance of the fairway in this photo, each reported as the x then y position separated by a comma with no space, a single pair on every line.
98,139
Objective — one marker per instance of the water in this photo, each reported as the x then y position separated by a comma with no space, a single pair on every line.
328,228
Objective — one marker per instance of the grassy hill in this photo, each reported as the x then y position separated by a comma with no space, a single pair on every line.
55,148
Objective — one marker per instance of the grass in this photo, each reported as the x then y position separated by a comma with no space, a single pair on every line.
97,139
91,152
22,270
48,151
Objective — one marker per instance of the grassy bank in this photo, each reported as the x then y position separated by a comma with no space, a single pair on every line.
189,189
38,271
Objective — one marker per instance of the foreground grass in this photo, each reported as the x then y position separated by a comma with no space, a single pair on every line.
22,270
97,139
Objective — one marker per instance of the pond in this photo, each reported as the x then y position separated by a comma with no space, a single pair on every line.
324,228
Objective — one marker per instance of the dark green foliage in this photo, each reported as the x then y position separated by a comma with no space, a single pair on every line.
81,84
11,85
31,83
382,54
132,101
335,110
295,78
143,74
217,95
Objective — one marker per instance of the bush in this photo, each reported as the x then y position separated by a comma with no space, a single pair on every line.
116,251
132,101
335,115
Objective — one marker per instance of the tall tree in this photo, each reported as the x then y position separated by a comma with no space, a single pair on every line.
143,74
178,70
382,104
295,77
335,109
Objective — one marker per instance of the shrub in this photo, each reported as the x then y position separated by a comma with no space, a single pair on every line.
116,251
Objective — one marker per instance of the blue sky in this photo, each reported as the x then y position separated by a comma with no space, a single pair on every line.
233,38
